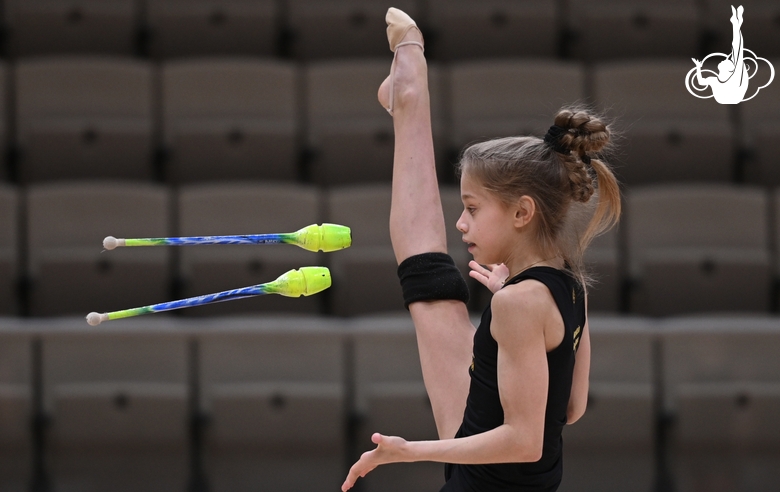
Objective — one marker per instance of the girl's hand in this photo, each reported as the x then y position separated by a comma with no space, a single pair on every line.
492,277
388,450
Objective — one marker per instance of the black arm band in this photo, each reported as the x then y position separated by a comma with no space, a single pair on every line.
431,277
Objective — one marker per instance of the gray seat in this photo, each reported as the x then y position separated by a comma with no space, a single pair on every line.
364,276
722,382
349,133
117,424
16,405
619,29
231,119
669,134
84,118
761,128
66,224
4,117
698,248
494,28
504,98
777,243
9,250
759,30
603,260
341,28
390,398
40,27
611,447
213,27
274,393
224,209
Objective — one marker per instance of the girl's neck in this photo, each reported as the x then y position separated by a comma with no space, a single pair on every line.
521,263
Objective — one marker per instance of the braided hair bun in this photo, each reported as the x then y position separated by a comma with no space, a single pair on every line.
580,134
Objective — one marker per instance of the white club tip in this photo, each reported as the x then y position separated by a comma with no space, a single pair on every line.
95,319
110,243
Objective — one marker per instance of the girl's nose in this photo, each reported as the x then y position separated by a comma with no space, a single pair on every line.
461,224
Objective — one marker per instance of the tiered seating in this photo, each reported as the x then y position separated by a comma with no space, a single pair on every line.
16,405
364,276
181,28
699,248
670,135
323,29
230,119
84,118
275,397
639,28
722,382
390,398
42,27
245,208
66,224
9,250
611,447
603,259
503,98
493,28
350,134
761,127
118,405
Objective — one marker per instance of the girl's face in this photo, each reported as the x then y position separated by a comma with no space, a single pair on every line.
487,223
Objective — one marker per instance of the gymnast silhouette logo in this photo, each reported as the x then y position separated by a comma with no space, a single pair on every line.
730,84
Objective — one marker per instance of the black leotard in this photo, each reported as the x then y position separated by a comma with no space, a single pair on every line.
483,407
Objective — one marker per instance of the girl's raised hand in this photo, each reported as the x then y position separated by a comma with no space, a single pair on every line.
388,449
492,277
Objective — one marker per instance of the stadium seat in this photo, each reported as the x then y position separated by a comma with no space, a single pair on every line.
9,256
761,126
16,405
504,98
244,208
66,224
364,276
181,28
776,232
761,30
230,119
670,135
273,391
43,27
4,120
494,28
350,135
84,118
645,28
603,260
698,248
722,382
341,28
118,401
611,447
390,398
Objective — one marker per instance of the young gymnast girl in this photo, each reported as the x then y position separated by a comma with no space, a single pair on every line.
502,393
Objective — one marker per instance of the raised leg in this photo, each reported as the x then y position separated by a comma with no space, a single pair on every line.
444,331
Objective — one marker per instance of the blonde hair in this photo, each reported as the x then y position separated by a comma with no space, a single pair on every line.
575,201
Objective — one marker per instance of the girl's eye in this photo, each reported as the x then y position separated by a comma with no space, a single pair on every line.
471,210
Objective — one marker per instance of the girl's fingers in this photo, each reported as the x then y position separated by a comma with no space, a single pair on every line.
482,279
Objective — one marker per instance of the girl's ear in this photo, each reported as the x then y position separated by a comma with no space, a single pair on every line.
525,209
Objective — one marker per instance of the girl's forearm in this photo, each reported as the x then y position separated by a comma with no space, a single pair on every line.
504,444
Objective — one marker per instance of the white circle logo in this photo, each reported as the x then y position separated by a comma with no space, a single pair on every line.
730,84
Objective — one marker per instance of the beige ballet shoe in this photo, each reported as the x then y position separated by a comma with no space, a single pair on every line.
398,24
